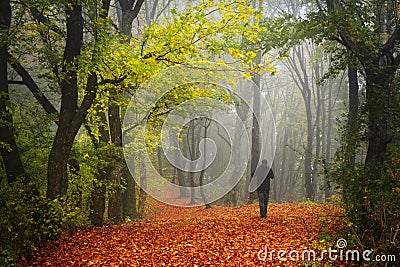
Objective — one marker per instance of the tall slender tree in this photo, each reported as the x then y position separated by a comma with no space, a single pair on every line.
8,146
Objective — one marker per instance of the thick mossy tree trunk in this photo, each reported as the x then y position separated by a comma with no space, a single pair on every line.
71,115
98,195
98,201
378,105
122,203
57,176
129,195
380,62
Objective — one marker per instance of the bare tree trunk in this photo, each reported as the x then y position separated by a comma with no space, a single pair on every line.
234,194
352,125
8,147
192,150
207,205
181,178
255,131
297,66
318,72
308,152
142,192
328,190
283,181
115,210
159,160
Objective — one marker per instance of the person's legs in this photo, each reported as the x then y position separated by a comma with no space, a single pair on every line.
261,203
266,199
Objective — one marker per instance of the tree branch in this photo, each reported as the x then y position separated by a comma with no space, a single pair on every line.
40,18
136,9
392,41
32,86
113,81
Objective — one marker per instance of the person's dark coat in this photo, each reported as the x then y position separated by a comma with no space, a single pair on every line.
264,173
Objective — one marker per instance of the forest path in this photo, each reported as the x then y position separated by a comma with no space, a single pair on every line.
220,236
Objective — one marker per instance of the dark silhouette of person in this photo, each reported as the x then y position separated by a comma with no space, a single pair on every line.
263,174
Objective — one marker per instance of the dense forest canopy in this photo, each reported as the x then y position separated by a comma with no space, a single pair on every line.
312,86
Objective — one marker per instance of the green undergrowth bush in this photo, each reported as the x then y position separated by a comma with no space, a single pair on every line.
371,197
26,219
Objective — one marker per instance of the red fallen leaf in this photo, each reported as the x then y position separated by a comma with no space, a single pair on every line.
174,236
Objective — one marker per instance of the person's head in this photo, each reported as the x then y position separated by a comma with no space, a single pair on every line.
264,162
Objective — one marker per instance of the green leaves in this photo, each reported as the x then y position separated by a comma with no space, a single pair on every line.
26,219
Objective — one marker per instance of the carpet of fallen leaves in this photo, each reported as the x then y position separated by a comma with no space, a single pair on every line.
220,236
